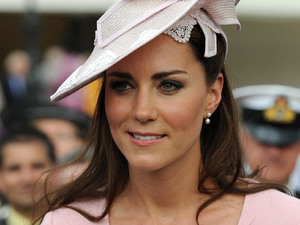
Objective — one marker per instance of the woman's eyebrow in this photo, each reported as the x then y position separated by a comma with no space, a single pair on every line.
121,75
160,75
155,76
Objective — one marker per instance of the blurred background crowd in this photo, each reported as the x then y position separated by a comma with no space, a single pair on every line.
42,42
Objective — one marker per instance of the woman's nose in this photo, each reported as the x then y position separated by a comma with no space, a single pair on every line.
144,109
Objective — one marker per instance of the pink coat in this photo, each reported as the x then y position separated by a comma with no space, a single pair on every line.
268,207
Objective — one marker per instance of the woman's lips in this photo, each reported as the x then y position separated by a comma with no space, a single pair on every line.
146,139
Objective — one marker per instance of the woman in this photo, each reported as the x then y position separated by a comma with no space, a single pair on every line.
165,133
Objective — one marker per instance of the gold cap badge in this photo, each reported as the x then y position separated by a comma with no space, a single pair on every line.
280,112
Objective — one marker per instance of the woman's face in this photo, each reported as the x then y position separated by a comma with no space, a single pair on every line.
155,101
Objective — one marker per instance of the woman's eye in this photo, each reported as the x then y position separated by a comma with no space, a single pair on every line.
120,86
170,86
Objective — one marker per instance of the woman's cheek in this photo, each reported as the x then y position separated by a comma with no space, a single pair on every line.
116,109
185,112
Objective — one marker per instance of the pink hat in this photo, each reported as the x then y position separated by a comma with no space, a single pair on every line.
129,24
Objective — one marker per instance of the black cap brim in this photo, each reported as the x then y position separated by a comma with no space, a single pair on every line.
272,134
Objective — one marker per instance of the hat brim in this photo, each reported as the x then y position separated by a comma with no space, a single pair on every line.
103,58
272,134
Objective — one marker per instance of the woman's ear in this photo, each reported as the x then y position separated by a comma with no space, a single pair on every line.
214,94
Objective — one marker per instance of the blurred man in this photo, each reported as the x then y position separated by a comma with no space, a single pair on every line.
66,128
17,66
25,154
271,134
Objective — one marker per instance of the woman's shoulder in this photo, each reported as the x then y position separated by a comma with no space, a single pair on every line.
270,207
68,215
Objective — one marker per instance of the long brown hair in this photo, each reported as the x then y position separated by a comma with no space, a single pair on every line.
107,174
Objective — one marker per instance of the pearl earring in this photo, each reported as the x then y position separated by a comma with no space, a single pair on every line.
207,120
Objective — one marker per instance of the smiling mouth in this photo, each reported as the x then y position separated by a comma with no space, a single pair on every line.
147,137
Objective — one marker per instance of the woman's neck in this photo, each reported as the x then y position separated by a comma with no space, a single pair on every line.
173,187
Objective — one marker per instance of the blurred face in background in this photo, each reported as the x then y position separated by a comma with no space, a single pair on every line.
278,162
22,164
63,134
17,64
